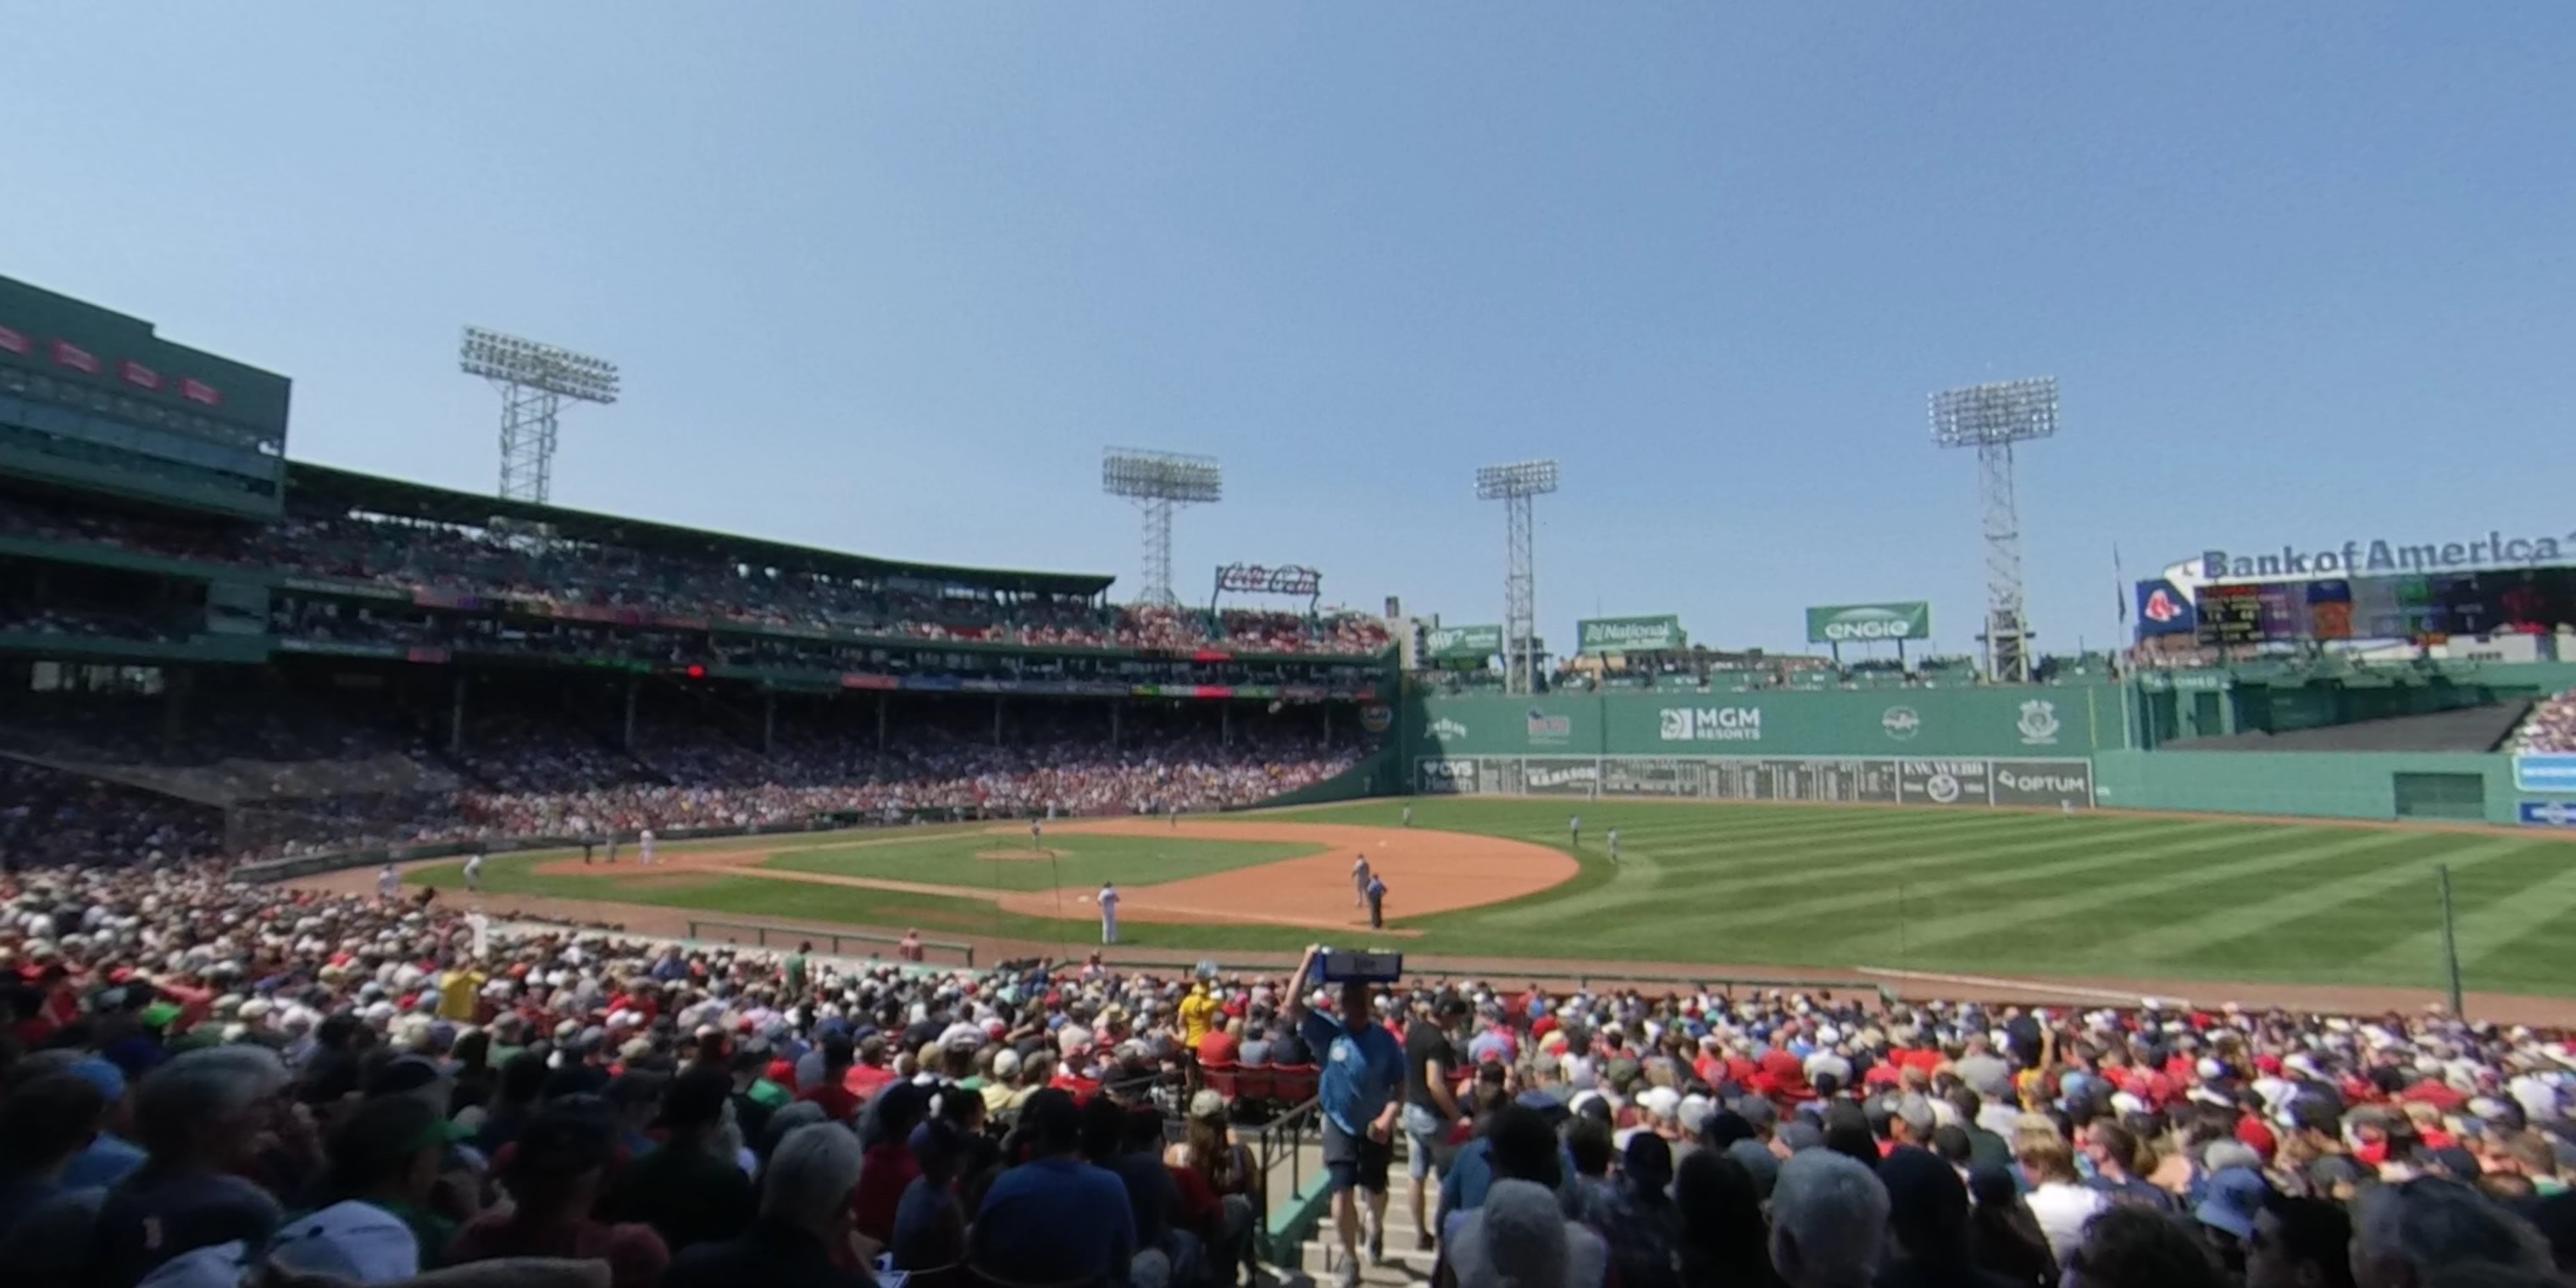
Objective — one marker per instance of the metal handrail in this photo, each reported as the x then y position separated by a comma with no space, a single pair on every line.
1581,976
833,936
1286,1132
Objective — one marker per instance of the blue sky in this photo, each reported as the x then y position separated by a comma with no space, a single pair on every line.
887,278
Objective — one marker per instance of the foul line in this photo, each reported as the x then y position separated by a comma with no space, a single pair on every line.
2032,985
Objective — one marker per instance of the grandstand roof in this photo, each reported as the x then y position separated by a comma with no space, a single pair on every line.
307,481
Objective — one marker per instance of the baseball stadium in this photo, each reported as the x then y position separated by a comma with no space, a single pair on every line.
2334,778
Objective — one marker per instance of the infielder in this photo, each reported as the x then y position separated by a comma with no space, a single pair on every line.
644,847
387,882
474,873
1108,898
1036,834
1359,881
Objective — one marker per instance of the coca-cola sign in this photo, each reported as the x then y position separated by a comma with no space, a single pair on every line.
1287,579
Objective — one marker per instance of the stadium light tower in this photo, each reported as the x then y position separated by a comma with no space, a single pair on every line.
1157,482
534,379
1991,418
1514,485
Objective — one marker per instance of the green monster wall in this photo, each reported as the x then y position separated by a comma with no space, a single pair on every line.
2340,784
2055,721
2043,747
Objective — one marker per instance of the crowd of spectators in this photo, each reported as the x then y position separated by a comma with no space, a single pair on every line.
2551,726
448,561
205,1083
267,772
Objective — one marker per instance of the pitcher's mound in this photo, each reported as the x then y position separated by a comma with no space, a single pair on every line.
1021,855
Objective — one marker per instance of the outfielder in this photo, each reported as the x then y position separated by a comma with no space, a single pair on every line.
1614,845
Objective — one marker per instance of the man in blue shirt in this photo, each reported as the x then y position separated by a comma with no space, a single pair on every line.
1363,1069
1054,1219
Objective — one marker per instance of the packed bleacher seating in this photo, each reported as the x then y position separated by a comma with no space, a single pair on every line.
263,771
452,561
2551,726
210,1083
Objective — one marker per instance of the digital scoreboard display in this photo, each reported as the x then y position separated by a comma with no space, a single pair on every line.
2413,606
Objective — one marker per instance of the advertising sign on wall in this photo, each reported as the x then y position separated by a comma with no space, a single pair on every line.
2024,783
1463,643
1630,634
1868,623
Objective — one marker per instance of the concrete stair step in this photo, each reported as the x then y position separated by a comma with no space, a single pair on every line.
1320,1257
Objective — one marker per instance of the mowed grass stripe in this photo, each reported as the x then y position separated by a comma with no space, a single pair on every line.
1796,872
1849,833
2027,914
2483,926
1792,876
2265,916
1738,856
1877,894
1775,829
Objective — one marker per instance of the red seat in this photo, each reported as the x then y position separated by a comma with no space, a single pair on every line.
1252,1084
1222,1078
1294,1083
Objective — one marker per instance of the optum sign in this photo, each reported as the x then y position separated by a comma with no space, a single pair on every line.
1860,623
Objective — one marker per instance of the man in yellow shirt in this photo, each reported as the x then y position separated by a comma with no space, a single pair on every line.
1198,1010
458,987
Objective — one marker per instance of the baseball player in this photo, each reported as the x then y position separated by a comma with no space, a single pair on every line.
612,847
644,847
1574,830
1108,898
1614,845
1037,834
1359,881
1408,815
388,881
474,873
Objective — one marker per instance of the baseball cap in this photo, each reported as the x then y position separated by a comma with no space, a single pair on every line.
696,1098
563,1141
2235,1198
352,1240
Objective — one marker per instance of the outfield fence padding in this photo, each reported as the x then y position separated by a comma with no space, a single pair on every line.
1861,780
1965,721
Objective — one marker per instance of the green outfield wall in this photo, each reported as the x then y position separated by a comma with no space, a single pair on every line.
2047,747
2035,722
2384,786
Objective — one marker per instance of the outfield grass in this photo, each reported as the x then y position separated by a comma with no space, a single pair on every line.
1084,862
1968,891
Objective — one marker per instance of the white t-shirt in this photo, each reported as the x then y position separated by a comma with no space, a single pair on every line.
2062,1209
